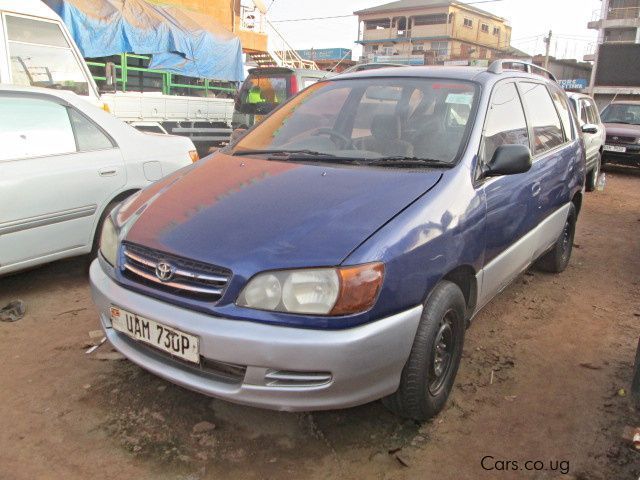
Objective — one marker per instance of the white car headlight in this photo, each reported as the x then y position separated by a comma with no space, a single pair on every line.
315,291
109,241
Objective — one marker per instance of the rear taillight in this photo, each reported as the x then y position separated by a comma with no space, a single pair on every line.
293,85
193,154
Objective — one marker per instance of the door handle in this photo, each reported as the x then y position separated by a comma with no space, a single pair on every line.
535,189
107,172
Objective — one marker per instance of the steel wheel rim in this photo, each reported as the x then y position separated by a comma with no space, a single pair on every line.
567,239
443,353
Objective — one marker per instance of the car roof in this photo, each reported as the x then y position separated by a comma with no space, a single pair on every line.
578,95
66,95
477,74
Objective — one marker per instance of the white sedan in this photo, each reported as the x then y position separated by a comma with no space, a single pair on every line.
64,164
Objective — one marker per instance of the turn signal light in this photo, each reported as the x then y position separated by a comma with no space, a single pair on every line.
359,288
193,154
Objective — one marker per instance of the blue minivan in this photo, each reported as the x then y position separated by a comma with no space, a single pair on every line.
336,253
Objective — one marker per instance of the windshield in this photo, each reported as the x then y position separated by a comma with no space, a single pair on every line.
261,94
372,118
622,113
42,57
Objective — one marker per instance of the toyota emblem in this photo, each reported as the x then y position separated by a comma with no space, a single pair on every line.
164,271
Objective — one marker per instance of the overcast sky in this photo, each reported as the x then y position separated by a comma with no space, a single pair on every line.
531,20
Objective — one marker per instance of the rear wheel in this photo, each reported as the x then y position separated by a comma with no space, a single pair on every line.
557,259
431,369
592,176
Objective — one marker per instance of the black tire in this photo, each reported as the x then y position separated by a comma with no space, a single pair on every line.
425,383
635,384
592,176
557,259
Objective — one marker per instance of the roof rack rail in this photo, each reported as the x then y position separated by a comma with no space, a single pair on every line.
498,66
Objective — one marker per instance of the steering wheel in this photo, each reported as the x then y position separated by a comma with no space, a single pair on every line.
346,142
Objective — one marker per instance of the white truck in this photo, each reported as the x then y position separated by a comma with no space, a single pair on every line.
36,49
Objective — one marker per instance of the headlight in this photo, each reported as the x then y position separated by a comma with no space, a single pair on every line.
109,241
315,291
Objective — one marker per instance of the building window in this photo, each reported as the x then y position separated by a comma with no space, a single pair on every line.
485,28
430,19
620,35
441,49
418,47
468,23
377,24
496,31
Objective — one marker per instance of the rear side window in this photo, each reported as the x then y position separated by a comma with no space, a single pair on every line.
584,114
34,128
592,112
563,108
505,124
88,135
41,56
260,94
544,120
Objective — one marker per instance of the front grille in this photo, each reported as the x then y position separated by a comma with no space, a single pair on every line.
617,139
188,278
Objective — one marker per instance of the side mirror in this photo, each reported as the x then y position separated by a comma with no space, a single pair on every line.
237,134
509,160
589,128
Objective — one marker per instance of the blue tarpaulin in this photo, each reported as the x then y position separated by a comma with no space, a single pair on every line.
179,41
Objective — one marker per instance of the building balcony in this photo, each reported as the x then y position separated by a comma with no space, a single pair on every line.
627,17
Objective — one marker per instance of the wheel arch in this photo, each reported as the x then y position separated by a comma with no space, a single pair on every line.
577,201
464,276
117,198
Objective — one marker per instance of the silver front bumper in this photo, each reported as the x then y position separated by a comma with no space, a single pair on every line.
328,369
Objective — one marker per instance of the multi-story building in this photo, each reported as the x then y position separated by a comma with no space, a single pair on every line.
616,71
237,16
432,32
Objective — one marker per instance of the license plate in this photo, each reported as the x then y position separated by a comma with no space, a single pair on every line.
167,339
615,148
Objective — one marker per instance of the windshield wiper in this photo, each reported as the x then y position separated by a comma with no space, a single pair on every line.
304,154
283,153
408,162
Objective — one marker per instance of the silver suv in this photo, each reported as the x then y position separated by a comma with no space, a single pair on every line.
593,134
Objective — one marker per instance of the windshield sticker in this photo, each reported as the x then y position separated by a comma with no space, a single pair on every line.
460,98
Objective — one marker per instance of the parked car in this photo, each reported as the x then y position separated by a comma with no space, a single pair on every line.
593,134
335,254
622,121
64,163
266,88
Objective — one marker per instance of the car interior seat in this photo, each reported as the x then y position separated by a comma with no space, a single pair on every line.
386,138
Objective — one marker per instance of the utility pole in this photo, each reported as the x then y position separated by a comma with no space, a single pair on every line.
547,40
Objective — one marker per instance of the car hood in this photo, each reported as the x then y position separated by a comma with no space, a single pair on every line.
622,129
250,214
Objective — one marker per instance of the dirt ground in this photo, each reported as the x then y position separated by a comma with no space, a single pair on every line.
539,382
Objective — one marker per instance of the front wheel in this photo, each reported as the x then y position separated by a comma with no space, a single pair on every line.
557,259
430,371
